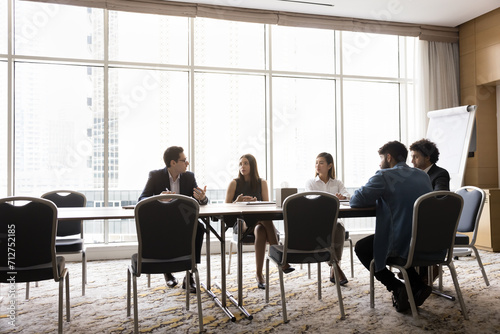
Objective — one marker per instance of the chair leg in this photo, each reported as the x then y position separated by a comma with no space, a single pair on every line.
84,271
68,305
352,257
198,298
372,284
339,292
60,307
149,280
319,280
409,292
136,309
478,258
128,291
229,262
188,289
309,271
27,290
267,280
283,298
457,289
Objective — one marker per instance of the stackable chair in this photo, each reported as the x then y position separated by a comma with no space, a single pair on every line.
434,225
469,221
28,228
70,232
310,219
166,232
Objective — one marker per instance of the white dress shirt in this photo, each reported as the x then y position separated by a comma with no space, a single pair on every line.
333,186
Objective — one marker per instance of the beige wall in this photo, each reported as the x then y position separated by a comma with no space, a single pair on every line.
479,76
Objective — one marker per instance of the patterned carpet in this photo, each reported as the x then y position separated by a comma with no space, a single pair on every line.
103,308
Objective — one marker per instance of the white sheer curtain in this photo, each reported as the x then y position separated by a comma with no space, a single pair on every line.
436,75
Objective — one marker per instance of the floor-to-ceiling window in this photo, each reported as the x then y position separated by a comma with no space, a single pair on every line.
98,96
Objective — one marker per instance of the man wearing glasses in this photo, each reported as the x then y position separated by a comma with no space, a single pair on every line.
175,179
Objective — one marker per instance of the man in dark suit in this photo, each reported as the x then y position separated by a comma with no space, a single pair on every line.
424,155
175,179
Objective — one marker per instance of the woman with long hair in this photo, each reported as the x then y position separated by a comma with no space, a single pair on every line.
248,187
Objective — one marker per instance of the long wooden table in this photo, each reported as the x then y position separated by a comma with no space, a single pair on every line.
250,213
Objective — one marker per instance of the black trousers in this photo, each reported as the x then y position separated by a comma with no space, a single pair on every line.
364,251
200,234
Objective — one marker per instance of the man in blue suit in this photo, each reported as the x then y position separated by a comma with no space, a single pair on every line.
175,179
393,190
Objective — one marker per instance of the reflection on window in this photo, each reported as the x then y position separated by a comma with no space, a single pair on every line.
148,38
369,123
58,31
220,43
303,126
229,122
303,49
370,54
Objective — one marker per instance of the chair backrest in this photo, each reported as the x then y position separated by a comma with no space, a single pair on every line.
28,231
166,228
65,199
435,221
309,221
473,207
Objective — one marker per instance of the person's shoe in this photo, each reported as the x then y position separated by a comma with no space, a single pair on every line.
192,285
421,294
260,283
342,279
400,299
170,280
288,269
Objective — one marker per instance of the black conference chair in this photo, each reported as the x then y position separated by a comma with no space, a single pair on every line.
166,232
309,221
28,232
435,221
474,198
70,232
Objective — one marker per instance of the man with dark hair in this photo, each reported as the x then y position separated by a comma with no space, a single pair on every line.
424,155
393,190
175,179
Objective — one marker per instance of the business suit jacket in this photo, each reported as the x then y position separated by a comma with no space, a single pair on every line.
393,191
159,180
440,178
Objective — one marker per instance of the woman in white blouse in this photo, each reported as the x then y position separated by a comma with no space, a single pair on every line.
325,181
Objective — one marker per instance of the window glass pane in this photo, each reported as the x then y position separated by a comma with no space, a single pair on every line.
370,54
303,126
229,122
3,26
220,43
303,49
369,123
3,130
148,113
148,38
58,31
57,109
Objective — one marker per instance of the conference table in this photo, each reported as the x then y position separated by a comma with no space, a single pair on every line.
251,212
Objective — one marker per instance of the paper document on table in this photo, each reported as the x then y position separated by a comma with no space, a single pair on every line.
260,202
